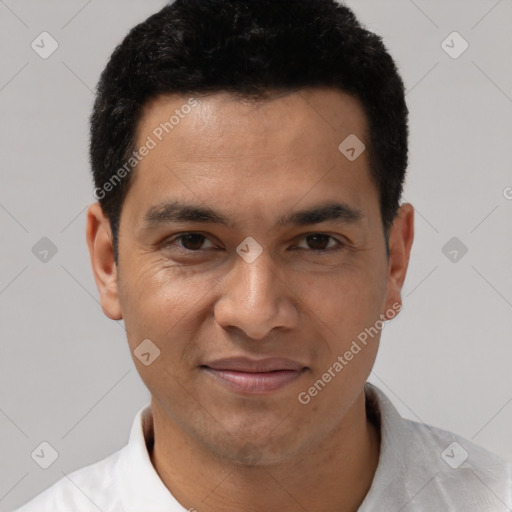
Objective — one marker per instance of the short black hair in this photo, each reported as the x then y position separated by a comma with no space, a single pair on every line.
250,48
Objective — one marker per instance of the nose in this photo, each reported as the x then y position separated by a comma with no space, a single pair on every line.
256,299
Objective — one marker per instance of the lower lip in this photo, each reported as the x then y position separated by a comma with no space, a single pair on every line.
262,382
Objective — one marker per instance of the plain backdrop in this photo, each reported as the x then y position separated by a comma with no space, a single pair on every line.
66,375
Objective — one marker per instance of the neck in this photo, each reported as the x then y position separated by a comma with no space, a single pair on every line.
336,474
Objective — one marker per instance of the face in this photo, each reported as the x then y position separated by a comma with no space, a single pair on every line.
252,255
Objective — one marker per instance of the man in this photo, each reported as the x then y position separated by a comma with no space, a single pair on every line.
259,129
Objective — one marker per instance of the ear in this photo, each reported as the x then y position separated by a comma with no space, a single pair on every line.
401,236
101,252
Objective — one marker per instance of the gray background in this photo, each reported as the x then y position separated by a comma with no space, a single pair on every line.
66,376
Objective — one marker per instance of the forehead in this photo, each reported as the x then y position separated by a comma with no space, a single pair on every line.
223,124
233,151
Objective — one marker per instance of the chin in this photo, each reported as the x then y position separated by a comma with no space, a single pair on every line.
255,450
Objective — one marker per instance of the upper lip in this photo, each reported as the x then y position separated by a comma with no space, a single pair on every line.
244,364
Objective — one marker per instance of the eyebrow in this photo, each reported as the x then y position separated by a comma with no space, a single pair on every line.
176,211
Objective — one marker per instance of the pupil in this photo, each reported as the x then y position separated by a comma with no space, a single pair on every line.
316,238
198,239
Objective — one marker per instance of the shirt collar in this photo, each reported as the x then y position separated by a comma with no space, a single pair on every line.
409,457
392,468
141,487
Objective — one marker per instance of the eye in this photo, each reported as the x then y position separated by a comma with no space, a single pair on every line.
319,242
192,242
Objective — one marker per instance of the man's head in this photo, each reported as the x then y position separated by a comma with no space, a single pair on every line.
242,107
251,50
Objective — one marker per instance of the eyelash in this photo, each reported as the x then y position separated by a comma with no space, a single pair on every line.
339,245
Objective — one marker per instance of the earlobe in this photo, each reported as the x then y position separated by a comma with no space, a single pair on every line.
101,253
401,237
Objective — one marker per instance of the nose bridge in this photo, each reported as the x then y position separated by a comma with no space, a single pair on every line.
254,298
259,279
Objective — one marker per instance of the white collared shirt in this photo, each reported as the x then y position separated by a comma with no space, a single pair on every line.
421,468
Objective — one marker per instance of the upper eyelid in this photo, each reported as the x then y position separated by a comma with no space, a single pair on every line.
177,236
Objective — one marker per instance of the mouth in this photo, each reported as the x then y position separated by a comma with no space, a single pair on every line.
254,376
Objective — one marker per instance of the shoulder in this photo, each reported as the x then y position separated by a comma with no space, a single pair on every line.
90,488
455,455
422,467
462,474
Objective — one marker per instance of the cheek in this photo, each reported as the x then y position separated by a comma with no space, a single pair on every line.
349,296
347,307
160,306
158,303
348,315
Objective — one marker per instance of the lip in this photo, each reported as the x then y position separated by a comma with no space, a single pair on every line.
255,376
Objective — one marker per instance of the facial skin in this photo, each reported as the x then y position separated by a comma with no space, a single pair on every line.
218,448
